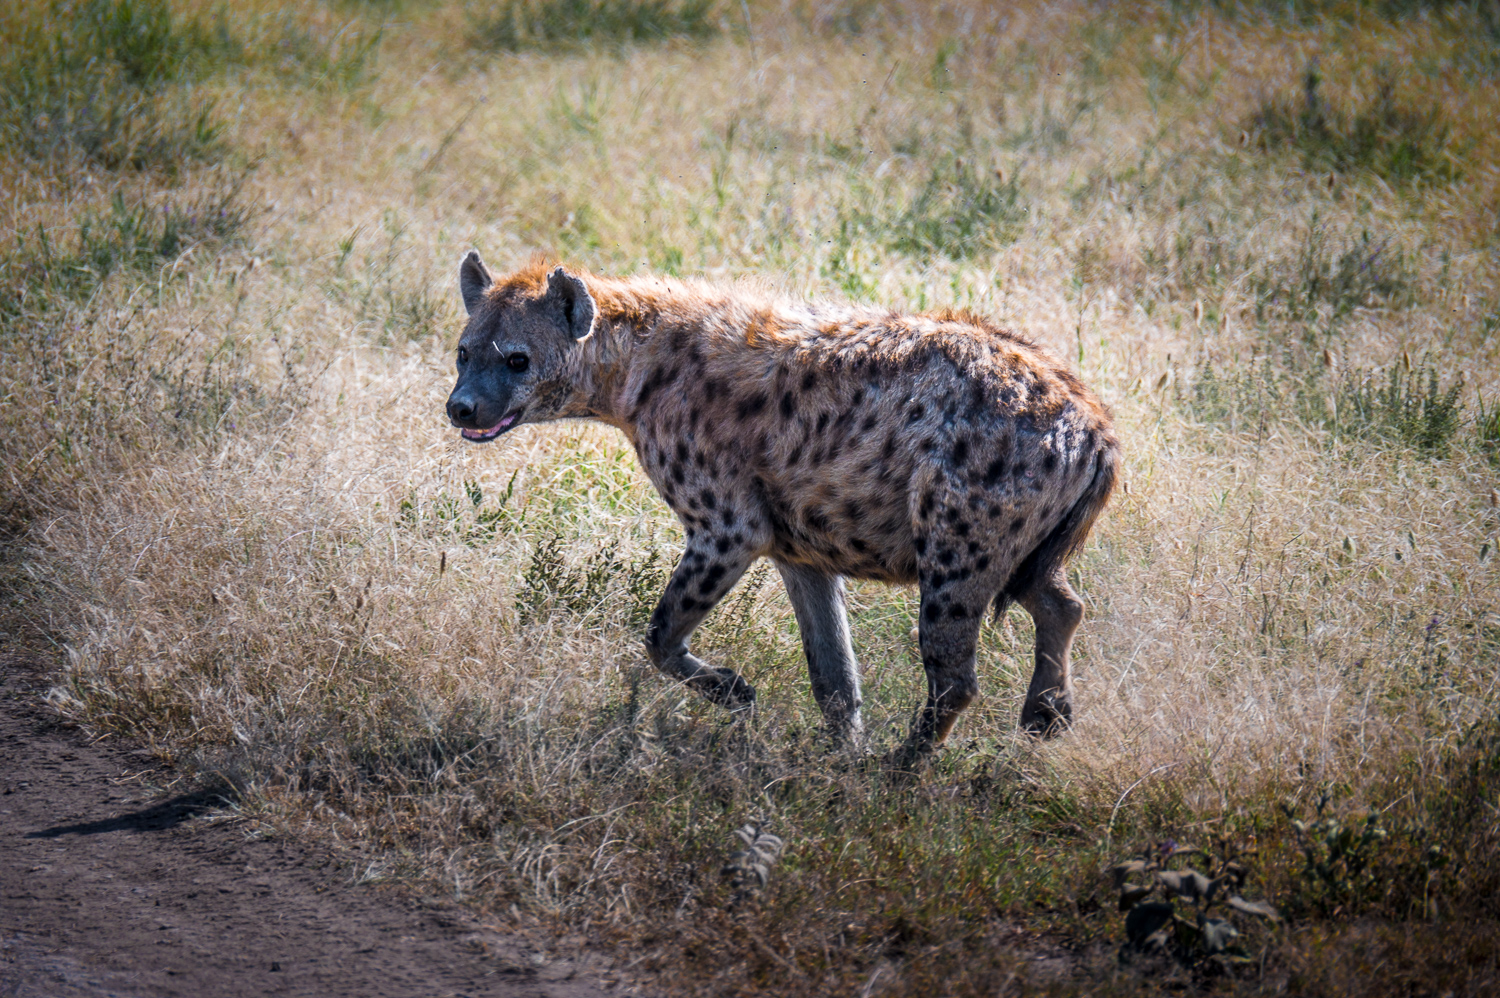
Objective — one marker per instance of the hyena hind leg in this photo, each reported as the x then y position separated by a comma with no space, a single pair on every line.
1057,611
822,617
700,580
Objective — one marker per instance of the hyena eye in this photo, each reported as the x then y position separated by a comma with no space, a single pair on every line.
463,355
518,362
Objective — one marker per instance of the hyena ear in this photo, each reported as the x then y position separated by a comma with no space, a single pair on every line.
572,299
473,281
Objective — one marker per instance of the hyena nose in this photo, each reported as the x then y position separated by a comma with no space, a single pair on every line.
461,409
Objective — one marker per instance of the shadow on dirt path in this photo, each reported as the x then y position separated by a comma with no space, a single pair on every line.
105,891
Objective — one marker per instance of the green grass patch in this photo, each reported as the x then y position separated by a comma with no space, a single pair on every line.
1379,134
1408,404
958,211
551,25
92,80
128,236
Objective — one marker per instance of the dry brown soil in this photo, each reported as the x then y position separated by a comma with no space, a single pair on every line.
108,889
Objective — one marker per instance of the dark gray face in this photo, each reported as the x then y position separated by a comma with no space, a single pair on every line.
511,357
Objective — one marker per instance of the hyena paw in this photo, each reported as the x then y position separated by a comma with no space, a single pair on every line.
1047,716
726,688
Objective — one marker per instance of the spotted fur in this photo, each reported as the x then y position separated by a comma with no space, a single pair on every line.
838,441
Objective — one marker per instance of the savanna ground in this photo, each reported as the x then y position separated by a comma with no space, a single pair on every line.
236,519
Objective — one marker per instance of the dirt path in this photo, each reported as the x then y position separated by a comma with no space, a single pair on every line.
107,891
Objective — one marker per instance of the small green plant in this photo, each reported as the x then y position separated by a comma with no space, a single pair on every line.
1487,429
1207,938
749,868
389,303
1338,857
1409,405
587,590
1383,136
564,24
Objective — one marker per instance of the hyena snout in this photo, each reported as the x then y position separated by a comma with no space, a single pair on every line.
462,407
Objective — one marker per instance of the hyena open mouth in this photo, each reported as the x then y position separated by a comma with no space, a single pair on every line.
481,436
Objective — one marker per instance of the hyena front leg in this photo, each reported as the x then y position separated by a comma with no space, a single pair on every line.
709,568
818,599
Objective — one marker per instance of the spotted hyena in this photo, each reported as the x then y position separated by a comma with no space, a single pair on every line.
838,441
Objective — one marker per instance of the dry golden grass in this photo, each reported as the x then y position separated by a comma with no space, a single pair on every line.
236,512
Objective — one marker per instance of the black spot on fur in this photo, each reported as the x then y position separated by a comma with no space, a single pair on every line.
682,451
859,397
960,452
925,508
822,422
945,557
958,611
921,545
689,604
982,563
678,475
809,380
1017,524
994,472
915,413
869,424
788,405
723,545
647,387
932,612
1049,463
751,406
795,456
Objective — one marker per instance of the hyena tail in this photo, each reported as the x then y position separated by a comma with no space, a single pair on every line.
1069,534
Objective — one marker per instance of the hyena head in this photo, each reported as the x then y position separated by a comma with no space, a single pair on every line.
513,355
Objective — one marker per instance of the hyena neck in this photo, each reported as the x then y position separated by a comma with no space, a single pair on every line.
600,366
630,315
